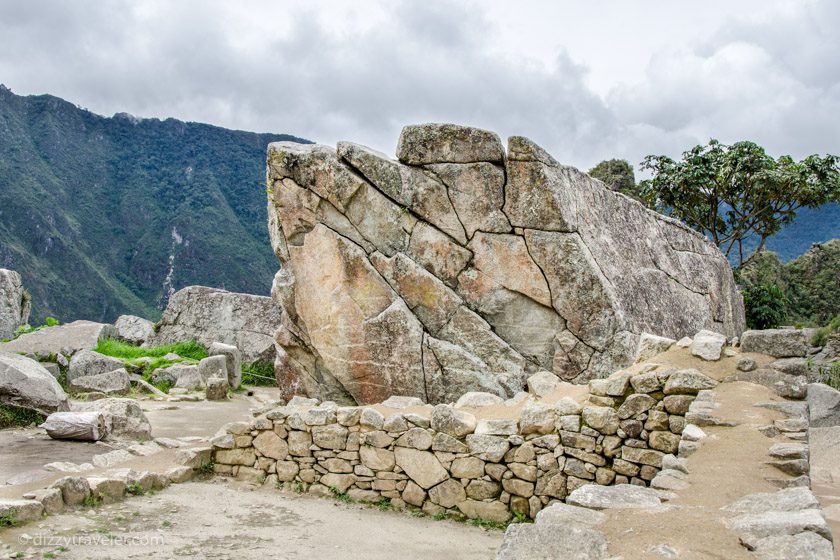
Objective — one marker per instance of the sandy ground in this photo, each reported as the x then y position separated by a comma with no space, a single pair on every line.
26,451
220,519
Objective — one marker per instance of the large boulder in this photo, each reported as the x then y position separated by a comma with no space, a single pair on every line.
133,329
114,382
779,343
65,339
86,363
14,303
456,269
209,315
824,405
123,417
26,384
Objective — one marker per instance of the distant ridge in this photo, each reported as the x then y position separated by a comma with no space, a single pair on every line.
104,216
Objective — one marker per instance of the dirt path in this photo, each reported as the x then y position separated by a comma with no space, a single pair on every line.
728,466
221,520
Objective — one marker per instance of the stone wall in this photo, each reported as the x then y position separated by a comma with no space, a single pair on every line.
464,268
481,457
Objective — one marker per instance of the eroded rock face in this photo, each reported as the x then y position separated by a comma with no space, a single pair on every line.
209,315
14,303
459,269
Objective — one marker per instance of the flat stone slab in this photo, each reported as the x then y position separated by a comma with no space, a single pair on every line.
75,336
537,541
621,496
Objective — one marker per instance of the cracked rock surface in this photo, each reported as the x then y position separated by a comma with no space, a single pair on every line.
464,268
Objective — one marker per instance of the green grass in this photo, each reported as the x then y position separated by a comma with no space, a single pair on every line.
340,496
822,334
207,467
92,501
135,489
118,349
13,416
136,356
487,523
9,519
439,516
830,374
259,374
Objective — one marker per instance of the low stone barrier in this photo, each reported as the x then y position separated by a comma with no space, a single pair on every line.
481,457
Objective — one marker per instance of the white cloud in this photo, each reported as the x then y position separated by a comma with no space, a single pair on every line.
362,70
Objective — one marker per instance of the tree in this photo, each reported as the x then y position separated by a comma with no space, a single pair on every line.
764,305
733,192
617,174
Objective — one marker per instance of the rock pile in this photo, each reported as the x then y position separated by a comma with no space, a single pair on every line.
482,457
461,268
14,303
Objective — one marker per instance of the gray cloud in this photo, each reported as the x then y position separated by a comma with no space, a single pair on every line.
271,67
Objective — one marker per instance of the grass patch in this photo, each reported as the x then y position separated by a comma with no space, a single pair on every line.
439,516
14,416
135,489
830,374
340,496
207,468
383,503
9,519
259,373
118,349
92,501
487,523
822,334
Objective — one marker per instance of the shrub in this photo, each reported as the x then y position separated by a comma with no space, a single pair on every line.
822,334
764,305
258,373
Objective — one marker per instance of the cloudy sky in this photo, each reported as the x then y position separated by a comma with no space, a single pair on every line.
587,80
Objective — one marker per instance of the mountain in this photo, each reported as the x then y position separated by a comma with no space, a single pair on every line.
104,216
812,225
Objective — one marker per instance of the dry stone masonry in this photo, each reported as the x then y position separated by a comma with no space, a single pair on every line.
461,268
482,457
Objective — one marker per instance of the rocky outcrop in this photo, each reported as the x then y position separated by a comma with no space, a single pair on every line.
209,315
14,303
460,268
26,384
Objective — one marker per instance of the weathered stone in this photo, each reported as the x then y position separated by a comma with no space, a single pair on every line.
651,345
123,417
74,489
746,364
824,405
372,418
83,426
487,447
448,143
623,496
601,418
25,383
801,545
475,399
209,315
791,366
133,329
20,510
217,389
788,386
543,383
238,456
67,339
448,493
688,382
107,490
565,514
376,439
646,382
493,511
114,382
418,438
497,427
567,406
15,303
233,361
452,421
792,499
779,343
432,295
635,404
467,467
421,466
448,444
666,442
642,456
299,443
193,458
286,470
708,345
526,540
332,436
754,526
483,489
536,419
